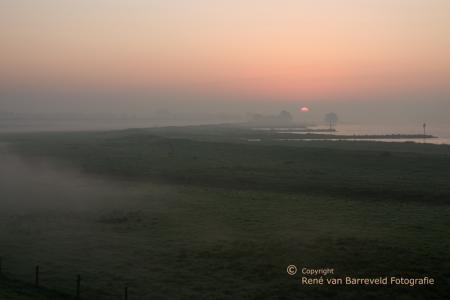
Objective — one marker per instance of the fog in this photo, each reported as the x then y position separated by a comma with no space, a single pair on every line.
36,185
208,62
84,110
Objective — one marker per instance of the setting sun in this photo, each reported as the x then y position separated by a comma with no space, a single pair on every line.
304,109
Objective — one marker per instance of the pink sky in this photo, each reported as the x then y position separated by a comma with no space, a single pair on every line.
287,49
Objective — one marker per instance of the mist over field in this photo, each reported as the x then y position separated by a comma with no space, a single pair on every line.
224,149
39,186
198,211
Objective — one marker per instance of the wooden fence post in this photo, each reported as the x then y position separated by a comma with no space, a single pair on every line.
126,293
78,286
36,276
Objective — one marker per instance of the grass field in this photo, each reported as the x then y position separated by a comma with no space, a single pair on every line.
201,213
14,290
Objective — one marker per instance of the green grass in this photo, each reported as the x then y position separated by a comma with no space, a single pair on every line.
15,290
405,173
188,242
212,219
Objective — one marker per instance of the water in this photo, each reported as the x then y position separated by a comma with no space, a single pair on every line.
441,131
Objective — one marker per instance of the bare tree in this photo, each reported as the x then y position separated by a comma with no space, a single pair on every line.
331,119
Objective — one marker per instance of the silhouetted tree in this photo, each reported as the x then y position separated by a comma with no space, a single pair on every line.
331,119
284,115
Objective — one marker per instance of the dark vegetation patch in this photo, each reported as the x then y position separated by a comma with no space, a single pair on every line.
121,217
373,170
18,290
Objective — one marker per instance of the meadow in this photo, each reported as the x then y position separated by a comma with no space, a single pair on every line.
202,213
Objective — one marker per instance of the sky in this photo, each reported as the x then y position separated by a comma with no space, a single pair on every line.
131,54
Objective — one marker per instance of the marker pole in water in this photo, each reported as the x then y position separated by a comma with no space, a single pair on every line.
424,131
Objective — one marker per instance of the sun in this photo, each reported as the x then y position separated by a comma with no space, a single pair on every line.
304,109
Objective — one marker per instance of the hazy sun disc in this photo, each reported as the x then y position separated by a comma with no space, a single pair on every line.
304,109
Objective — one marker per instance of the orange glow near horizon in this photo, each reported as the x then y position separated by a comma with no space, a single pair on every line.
289,49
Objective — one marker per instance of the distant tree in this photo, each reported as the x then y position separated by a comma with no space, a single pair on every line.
331,119
285,116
